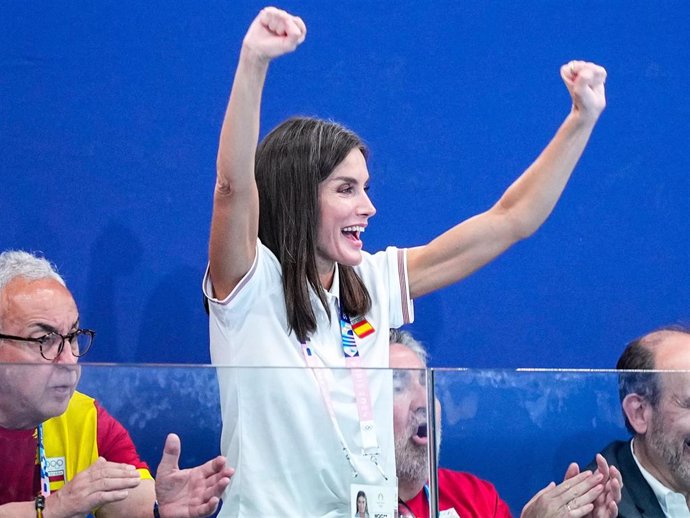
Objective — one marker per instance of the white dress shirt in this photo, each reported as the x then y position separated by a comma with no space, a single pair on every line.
672,504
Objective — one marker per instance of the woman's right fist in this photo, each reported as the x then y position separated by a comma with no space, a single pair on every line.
274,32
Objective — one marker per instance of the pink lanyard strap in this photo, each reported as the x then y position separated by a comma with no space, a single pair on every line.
360,382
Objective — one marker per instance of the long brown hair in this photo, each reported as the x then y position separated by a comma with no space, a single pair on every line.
291,162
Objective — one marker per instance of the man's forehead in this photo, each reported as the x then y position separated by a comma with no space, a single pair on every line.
402,357
672,351
27,301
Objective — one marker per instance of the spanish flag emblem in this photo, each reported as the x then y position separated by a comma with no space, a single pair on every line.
361,327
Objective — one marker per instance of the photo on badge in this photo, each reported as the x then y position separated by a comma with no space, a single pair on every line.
371,501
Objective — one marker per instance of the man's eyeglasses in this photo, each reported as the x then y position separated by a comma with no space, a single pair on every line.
52,344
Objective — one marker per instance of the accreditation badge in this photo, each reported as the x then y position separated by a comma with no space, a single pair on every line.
377,501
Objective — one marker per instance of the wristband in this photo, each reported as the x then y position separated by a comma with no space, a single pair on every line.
40,505
156,512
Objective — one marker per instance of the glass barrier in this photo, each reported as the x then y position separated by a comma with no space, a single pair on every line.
153,400
519,430
295,439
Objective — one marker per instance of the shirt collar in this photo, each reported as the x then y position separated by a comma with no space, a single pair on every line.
333,293
674,505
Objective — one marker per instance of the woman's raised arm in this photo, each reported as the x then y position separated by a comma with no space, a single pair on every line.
235,221
528,201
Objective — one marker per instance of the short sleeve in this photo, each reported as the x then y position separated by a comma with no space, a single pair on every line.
115,444
399,283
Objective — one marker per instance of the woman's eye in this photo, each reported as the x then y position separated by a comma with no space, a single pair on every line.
346,189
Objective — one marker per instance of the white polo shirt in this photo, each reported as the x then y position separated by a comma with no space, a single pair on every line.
276,430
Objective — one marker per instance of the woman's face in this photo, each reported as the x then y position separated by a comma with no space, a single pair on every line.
345,209
361,504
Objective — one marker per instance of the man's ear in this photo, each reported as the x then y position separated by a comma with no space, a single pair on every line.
638,411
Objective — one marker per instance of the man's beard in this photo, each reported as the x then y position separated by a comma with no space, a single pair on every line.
670,452
411,463
411,459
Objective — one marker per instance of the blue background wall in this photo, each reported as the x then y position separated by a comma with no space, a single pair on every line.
110,112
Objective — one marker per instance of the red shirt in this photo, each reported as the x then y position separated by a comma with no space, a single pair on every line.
470,496
19,471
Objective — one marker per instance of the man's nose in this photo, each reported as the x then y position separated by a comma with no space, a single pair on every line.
66,356
419,397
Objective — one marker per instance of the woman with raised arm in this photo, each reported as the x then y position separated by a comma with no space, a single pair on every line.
289,286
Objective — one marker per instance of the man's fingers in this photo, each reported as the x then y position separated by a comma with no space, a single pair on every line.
602,465
108,477
106,497
573,470
107,484
215,467
615,474
543,490
579,512
590,496
101,483
579,491
207,508
171,454
615,484
102,469
216,486
219,478
572,485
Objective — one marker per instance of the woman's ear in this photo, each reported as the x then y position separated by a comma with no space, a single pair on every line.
638,411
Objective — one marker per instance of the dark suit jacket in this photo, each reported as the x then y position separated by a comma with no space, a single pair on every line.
638,499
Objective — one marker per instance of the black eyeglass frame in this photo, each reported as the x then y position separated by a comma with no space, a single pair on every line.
64,338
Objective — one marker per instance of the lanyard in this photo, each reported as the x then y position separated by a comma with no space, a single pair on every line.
360,382
43,462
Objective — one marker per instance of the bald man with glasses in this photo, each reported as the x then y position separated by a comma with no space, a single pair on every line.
61,454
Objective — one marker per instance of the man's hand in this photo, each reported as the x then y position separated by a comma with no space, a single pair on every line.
273,33
606,504
573,498
585,82
189,493
101,483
